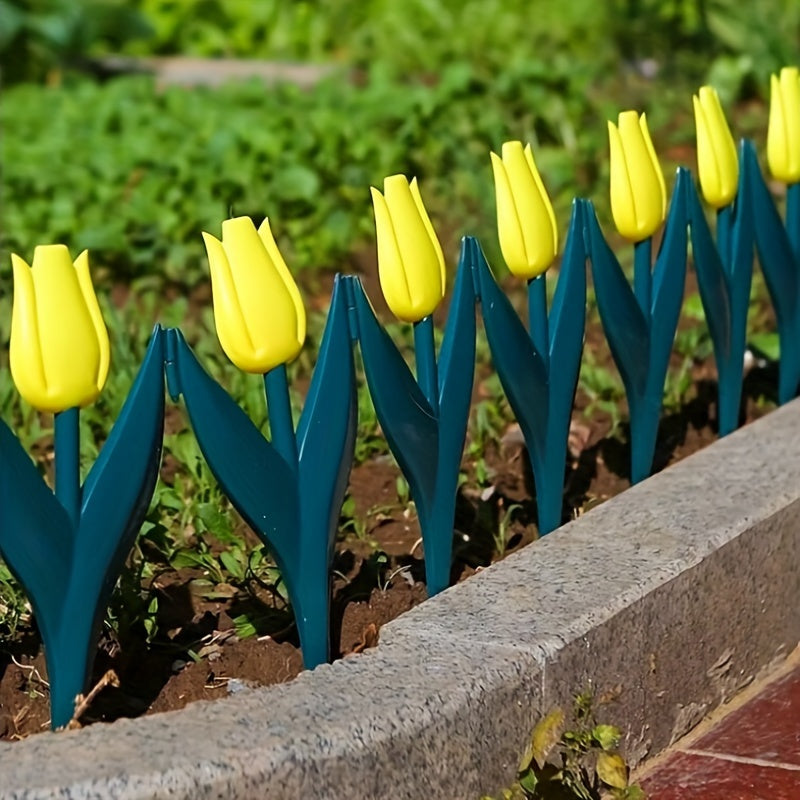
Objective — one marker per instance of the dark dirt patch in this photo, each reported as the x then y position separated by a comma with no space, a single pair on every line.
24,702
362,621
228,667
152,680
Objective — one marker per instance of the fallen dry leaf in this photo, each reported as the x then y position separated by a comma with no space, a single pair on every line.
369,638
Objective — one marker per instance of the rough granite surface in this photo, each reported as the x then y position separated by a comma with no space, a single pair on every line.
673,595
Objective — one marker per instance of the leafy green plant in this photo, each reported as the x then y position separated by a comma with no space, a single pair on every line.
582,763
677,385
369,441
38,37
15,611
134,603
309,169
349,521
489,419
503,527
602,386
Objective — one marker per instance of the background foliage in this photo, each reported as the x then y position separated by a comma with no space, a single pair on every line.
424,87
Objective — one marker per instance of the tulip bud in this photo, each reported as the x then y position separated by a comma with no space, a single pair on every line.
717,164
59,351
783,133
638,194
258,312
526,223
410,259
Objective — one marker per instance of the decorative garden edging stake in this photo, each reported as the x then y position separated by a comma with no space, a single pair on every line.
725,269
538,369
640,323
778,243
424,419
67,548
290,489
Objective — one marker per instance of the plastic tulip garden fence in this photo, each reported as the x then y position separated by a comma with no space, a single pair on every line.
435,512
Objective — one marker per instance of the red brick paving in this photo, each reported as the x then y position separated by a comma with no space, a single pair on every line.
753,753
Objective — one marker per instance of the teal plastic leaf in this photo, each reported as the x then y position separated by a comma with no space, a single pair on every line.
541,394
625,327
774,249
669,277
780,266
712,279
456,371
567,321
248,468
743,235
520,367
326,441
403,412
35,532
327,428
118,489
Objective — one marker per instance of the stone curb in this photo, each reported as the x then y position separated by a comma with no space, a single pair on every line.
674,594
188,71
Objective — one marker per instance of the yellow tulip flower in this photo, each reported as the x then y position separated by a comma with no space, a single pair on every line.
783,133
526,223
717,163
258,312
410,259
638,193
59,349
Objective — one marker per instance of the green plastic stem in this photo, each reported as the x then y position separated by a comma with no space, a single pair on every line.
537,316
789,373
730,372
280,415
425,352
645,414
642,276
724,234
68,463
548,475
793,217
729,397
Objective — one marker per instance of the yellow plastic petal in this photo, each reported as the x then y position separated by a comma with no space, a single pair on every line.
410,260
545,197
231,329
71,352
783,133
723,142
656,167
422,264
391,271
532,215
790,91
777,144
267,308
426,221
623,208
717,164
638,193
25,354
70,346
81,265
265,234
512,243
707,166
